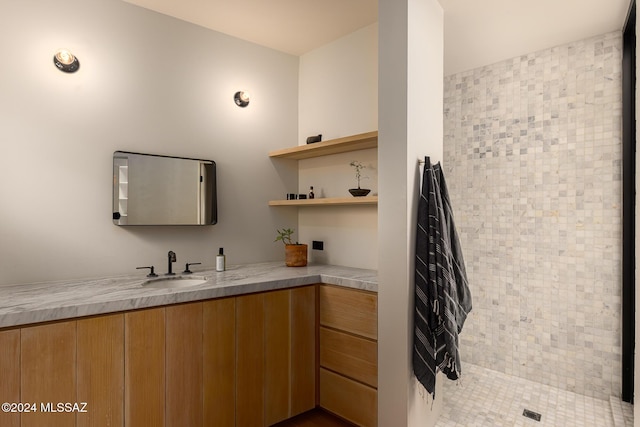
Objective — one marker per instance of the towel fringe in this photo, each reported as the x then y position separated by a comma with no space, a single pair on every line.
424,394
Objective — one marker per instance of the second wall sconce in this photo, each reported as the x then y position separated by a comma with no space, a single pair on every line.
65,61
241,98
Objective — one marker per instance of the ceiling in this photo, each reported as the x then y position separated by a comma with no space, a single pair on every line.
476,32
291,26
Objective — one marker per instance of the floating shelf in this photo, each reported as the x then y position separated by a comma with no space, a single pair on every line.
333,146
327,201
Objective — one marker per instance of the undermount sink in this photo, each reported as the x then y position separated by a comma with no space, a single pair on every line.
175,282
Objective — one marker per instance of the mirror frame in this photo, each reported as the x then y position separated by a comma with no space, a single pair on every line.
120,190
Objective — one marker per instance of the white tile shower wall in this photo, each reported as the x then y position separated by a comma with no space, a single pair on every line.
532,157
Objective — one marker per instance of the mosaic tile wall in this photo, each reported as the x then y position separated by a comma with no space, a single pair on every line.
532,157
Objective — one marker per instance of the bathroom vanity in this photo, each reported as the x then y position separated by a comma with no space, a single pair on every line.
251,346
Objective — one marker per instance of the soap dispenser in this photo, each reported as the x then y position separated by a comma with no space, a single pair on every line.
220,260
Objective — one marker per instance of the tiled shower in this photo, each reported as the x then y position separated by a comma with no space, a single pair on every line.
532,157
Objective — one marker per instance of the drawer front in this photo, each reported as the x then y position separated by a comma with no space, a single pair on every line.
349,310
348,399
349,355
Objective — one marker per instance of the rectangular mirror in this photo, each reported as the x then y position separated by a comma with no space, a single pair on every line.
150,189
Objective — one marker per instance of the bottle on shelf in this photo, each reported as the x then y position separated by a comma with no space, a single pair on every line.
311,194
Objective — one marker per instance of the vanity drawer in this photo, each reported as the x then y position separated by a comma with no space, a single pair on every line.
350,310
349,355
349,399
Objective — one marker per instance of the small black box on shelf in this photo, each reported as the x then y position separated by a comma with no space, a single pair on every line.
312,139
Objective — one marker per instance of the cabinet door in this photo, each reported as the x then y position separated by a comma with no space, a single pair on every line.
48,372
303,349
100,370
219,358
144,350
10,375
250,360
184,365
277,356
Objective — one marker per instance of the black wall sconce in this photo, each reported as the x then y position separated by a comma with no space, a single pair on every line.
65,61
241,98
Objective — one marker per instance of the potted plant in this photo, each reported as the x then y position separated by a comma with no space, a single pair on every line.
358,192
295,253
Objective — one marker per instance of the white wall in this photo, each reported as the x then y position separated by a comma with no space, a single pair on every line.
424,138
147,83
411,92
339,97
339,87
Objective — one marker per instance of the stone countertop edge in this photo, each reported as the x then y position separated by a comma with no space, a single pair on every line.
26,304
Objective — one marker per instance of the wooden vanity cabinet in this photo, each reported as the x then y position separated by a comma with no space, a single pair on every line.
251,360
349,353
239,361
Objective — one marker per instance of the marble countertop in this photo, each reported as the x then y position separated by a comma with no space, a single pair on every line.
41,302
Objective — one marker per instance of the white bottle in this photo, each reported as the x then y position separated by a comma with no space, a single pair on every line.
220,260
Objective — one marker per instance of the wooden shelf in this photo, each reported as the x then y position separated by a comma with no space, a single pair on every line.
327,201
333,146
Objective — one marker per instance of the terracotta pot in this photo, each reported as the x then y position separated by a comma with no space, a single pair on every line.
295,255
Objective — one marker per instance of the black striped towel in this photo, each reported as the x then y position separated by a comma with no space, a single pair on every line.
442,297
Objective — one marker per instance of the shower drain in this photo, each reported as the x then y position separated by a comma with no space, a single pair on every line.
533,415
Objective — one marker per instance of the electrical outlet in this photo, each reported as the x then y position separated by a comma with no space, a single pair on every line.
317,245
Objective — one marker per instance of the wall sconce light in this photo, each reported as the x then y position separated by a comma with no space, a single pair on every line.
66,61
241,98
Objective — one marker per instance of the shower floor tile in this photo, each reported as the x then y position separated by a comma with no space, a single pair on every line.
493,399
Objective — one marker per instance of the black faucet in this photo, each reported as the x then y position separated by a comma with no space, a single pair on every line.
186,267
172,258
152,274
